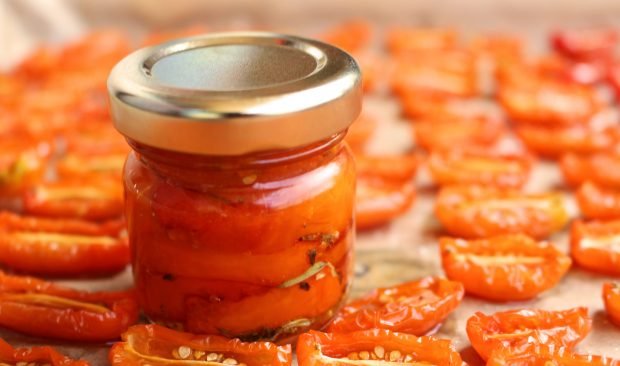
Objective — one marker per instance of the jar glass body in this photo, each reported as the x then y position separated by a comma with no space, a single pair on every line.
257,246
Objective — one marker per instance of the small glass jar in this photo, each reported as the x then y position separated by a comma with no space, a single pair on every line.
240,189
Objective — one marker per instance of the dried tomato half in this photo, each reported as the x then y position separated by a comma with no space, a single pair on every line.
351,36
360,132
479,166
415,307
601,168
503,268
39,308
597,202
611,297
157,345
587,138
446,131
91,199
374,347
407,40
595,245
42,355
75,166
480,212
393,168
62,247
505,329
585,44
536,354
377,200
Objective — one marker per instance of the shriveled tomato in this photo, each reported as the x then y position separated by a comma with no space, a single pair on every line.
503,268
479,212
595,245
39,308
61,247
298,304
597,202
416,104
416,307
601,168
157,345
548,102
351,36
374,347
444,132
580,44
75,166
42,355
479,166
499,47
452,73
93,199
611,297
23,160
505,329
360,132
395,168
407,40
97,138
536,354
378,200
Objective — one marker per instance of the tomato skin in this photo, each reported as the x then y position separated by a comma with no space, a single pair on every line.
155,345
66,323
480,166
396,309
535,354
323,349
611,298
563,328
378,201
478,212
41,355
507,281
585,44
598,203
602,258
600,168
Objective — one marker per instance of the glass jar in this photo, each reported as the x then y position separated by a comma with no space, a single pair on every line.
239,190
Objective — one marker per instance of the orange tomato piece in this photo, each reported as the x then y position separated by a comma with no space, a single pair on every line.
597,202
506,329
447,131
375,346
410,40
378,201
479,212
503,268
535,354
393,168
351,36
479,166
360,131
595,245
44,355
601,168
611,297
415,307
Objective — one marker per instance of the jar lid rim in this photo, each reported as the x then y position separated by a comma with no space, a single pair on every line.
234,93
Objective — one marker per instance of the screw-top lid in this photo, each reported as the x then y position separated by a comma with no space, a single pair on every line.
234,93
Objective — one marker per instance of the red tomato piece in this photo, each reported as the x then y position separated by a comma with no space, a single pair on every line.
375,346
23,160
479,212
479,166
75,166
503,268
611,297
94,199
585,44
351,36
57,247
598,202
159,346
379,200
614,78
602,168
531,354
505,329
394,168
416,307
41,355
39,308
595,245
409,40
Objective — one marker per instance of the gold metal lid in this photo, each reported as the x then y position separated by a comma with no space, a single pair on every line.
235,93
